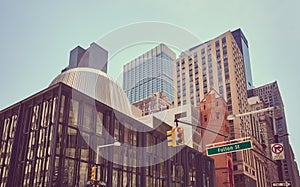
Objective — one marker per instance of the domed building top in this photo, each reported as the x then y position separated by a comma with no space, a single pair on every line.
97,85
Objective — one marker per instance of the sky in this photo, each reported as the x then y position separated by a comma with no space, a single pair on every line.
37,36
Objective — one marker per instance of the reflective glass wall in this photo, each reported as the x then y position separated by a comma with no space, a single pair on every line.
52,139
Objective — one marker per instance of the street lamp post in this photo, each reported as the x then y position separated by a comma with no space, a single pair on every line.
233,116
117,144
94,182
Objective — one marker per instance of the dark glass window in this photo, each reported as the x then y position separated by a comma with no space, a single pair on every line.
217,43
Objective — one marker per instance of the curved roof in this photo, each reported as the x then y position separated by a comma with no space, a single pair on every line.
97,85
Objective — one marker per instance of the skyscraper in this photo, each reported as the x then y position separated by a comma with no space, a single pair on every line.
150,73
218,64
242,43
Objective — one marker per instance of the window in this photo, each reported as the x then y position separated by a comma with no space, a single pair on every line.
196,65
182,61
205,118
234,156
225,51
209,58
218,54
246,168
224,40
99,123
73,114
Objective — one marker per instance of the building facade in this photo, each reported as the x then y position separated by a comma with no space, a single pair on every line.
150,73
213,110
295,168
50,138
242,43
94,56
264,133
218,64
270,95
63,136
186,113
155,103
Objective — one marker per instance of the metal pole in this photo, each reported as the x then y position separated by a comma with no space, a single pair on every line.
256,111
276,140
117,144
204,128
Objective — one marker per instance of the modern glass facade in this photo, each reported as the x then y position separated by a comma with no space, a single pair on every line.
50,138
243,46
150,73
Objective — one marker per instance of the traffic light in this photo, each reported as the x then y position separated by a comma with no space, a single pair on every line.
93,173
171,137
179,134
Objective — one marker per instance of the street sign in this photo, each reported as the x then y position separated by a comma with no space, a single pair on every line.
277,151
282,183
229,148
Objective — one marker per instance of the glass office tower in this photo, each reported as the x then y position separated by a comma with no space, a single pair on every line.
150,73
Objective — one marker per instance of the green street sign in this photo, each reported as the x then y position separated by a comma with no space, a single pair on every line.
229,148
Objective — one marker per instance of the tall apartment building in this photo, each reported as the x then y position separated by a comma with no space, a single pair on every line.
150,73
271,96
218,64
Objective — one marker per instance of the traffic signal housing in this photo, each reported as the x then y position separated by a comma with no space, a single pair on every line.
93,173
171,137
175,136
179,134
